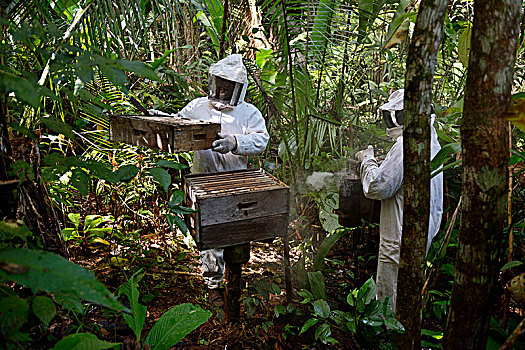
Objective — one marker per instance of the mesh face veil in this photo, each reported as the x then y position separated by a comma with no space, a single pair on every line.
392,118
224,90
230,76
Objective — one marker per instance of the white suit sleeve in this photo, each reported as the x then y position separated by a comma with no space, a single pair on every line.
381,182
186,111
255,137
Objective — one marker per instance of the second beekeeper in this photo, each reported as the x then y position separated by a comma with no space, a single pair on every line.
385,182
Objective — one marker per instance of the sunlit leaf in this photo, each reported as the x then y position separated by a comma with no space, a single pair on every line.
175,324
162,177
309,323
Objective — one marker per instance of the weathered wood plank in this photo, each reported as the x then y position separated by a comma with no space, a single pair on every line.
244,206
245,231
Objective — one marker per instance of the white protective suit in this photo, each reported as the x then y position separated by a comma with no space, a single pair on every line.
245,122
385,182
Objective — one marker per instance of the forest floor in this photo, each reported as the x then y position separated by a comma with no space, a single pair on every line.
172,276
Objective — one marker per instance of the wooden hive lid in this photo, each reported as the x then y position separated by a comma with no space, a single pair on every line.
232,182
167,120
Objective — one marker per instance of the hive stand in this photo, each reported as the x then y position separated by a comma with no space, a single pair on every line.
234,209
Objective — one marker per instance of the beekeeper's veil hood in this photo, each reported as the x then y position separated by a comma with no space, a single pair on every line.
393,114
230,68
393,110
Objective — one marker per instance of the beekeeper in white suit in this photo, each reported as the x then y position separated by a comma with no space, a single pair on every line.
243,133
385,182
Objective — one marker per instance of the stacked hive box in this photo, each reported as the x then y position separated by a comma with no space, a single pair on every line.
168,134
236,207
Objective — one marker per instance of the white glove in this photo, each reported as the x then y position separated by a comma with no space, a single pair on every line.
365,154
156,112
226,143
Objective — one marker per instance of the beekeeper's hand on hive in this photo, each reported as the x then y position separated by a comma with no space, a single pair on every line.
226,143
385,182
243,133
365,154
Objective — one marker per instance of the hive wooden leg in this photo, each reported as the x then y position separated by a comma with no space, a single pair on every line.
234,257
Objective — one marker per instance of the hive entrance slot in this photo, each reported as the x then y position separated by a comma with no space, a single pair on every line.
199,137
247,205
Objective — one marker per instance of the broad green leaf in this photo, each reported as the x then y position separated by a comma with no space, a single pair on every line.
372,321
44,308
9,230
279,310
351,325
367,292
100,170
176,220
84,341
325,247
175,324
162,177
323,332
464,45
317,284
115,74
393,324
262,56
321,308
171,164
306,295
373,309
25,90
52,273
100,240
368,10
58,126
388,306
139,68
511,264
67,233
350,299
179,209
75,219
125,173
81,181
309,323
176,198
13,314
396,20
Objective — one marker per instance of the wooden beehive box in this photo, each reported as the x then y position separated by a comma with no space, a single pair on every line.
169,134
236,207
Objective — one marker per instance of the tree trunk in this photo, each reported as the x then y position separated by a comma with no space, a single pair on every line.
34,206
421,63
485,160
7,183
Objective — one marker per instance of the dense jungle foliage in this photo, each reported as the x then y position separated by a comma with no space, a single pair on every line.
130,275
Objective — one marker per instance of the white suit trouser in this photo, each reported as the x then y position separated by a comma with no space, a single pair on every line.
213,267
387,267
